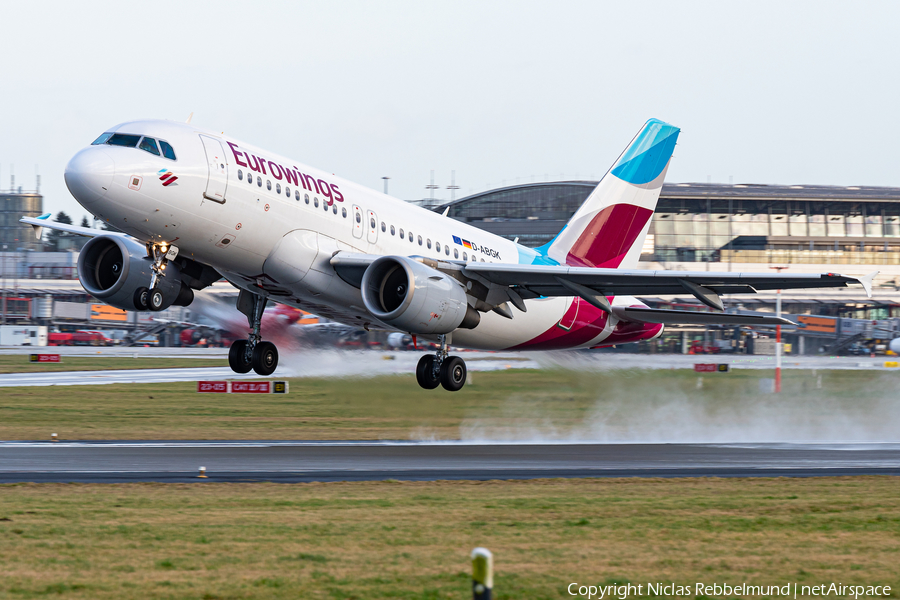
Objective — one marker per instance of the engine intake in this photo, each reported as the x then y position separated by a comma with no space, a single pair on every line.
112,268
413,297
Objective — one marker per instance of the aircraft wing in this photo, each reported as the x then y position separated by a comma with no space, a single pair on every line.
513,282
44,221
706,286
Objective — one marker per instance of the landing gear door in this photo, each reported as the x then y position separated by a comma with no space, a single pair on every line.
372,222
357,222
218,170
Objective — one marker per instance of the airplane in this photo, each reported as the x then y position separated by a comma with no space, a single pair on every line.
193,206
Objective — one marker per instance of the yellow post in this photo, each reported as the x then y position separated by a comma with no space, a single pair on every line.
202,474
482,574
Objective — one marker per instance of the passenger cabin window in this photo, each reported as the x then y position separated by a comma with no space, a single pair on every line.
447,250
306,197
269,185
437,246
167,150
392,230
427,243
296,195
240,175
372,223
358,218
455,253
316,202
334,208
277,188
344,212
149,145
383,226
287,191
259,181
465,256
410,237
124,139
401,233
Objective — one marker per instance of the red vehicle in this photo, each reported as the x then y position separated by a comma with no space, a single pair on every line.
59,339
79,338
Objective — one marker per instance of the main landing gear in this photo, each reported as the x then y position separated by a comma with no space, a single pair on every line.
440,369
253,353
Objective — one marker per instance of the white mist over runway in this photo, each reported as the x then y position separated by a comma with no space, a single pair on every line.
638,404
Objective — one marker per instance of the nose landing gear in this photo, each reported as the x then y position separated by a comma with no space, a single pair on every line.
152,298
440,369
253,353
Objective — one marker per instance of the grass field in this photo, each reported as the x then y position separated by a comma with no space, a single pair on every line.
412,539
659,405
19,363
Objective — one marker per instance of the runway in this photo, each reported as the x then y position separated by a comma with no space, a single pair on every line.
292,462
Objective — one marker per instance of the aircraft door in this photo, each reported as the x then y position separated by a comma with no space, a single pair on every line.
357,222
372,222
570,316
218,170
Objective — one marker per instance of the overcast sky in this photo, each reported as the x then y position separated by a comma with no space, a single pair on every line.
500,92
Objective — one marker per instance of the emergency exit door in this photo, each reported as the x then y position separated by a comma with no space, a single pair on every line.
218,170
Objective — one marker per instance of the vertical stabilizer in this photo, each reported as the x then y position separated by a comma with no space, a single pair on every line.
609,229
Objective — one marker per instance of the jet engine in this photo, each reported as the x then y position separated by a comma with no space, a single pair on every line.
116,269
413,297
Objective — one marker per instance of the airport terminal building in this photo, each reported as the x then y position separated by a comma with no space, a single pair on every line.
715,223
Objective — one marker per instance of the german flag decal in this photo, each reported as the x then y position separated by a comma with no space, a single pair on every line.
167,177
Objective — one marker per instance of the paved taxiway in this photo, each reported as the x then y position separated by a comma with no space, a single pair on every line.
112,462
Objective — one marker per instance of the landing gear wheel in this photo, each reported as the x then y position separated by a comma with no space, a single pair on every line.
425,373
155,300
236,359
265,358
453,373
142,299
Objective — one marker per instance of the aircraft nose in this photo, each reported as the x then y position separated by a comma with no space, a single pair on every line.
89,175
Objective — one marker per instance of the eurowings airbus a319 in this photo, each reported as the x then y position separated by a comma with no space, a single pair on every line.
196,206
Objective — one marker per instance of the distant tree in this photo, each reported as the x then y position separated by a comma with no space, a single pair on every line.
85,222
53,236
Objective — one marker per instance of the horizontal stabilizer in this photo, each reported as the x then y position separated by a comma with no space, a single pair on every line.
689,317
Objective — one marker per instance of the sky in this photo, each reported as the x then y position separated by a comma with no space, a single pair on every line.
499,92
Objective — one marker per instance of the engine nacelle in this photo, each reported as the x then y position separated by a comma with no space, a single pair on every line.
112,268
413,297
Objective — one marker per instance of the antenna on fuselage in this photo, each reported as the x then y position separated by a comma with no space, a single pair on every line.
190,116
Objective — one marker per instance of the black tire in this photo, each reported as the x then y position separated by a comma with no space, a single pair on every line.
453,373
236,359
425,373
155,300
265,358
142,299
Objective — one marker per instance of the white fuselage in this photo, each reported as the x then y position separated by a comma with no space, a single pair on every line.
275,233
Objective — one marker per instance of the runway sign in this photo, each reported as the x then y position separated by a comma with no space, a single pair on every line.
891,364
711,368
242,387
212,387
44,358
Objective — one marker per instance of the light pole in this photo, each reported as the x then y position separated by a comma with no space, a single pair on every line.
3,269
778,336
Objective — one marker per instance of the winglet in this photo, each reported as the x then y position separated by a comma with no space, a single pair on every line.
446,210
190,116
866,282
38,230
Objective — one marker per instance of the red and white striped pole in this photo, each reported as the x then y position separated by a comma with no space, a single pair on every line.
778,336
778,344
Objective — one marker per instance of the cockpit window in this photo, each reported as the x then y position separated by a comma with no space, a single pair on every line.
167,150
102,139
149,145
124,139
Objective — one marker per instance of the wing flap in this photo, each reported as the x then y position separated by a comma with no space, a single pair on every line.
690,317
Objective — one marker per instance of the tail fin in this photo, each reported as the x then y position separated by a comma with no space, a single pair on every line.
609,229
